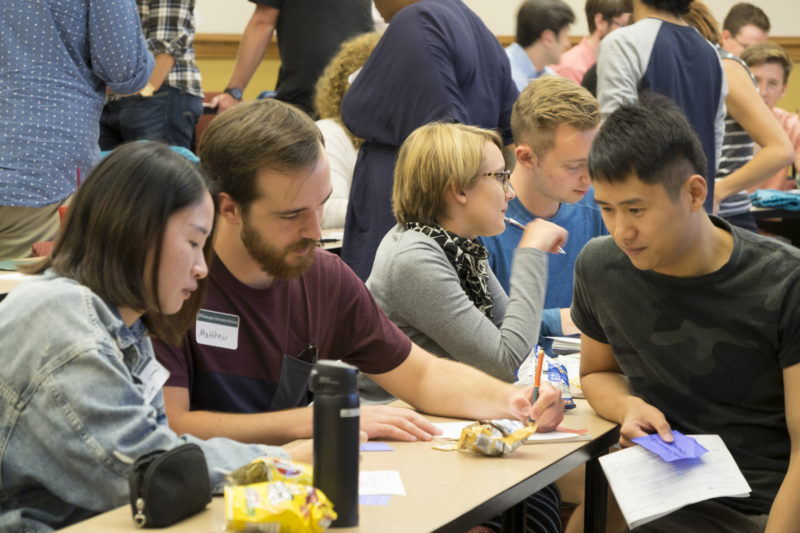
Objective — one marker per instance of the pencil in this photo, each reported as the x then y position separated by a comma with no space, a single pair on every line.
521,226
537,380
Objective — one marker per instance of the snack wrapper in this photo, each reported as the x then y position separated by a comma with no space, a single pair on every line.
277,507
272,469
555,373
493,438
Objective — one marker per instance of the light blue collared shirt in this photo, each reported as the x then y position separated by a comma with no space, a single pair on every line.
522,69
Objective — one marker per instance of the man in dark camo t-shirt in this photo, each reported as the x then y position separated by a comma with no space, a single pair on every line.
687,322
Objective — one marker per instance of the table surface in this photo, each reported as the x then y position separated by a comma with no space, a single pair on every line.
445,491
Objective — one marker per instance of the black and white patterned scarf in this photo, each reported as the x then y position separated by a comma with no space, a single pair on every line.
468,257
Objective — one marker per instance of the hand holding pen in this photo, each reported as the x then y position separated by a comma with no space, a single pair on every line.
541,234
537,380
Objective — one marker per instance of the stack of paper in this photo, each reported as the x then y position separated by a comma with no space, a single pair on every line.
565,345
648,486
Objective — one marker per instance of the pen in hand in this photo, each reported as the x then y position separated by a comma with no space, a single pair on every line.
537,380
521,226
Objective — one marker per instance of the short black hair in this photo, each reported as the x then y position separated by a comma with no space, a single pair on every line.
651,139
536,16
676,7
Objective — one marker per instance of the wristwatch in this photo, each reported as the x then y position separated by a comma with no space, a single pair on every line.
235,92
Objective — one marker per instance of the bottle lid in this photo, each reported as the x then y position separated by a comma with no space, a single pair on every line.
334,377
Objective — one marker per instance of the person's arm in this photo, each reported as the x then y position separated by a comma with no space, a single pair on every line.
424,290
252,48
342,159
785,513
118,57
448,388
94,400
619,70
609,393
749,110
279,427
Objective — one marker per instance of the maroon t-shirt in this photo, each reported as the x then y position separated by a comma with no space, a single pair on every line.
231,359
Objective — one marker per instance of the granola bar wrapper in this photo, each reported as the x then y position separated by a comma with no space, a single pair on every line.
272,469
277,507
493,438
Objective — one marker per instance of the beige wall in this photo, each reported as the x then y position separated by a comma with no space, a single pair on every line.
230,16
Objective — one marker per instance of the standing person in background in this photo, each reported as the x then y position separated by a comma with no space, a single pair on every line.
603,17
542,35
744,25
168,107
436,61
747,119
771,66
341,145
56,60
309,33
661,53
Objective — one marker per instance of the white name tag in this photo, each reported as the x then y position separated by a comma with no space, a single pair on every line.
217,329
153,378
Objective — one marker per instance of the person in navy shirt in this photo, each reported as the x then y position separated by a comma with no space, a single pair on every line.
436,61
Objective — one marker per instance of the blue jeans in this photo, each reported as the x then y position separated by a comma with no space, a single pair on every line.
170,116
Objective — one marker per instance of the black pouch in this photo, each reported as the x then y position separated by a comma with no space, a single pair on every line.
166,486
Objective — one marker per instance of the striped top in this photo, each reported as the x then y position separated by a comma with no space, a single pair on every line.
737,150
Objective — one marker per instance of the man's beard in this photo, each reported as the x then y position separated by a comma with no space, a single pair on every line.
273,261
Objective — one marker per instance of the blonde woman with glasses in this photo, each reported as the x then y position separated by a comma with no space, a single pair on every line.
431,275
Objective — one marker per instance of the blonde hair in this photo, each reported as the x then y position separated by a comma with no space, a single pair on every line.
432,158
333,83
547,103
759,54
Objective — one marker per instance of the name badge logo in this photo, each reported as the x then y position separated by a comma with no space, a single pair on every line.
217,329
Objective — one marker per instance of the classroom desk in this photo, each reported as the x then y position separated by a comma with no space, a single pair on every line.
778,221
446,491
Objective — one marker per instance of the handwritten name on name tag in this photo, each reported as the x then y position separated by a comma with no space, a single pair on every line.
217,329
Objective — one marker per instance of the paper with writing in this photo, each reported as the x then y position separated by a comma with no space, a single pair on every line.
647,488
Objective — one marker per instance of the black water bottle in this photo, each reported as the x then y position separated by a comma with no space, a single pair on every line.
336,442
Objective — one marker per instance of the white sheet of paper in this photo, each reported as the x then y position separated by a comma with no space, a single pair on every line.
646,487
452,431
380,482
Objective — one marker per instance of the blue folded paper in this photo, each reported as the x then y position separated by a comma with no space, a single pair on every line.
775,198
682,447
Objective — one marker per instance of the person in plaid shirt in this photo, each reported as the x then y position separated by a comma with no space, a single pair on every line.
168,107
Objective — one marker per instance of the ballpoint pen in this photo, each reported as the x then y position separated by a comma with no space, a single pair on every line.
521,226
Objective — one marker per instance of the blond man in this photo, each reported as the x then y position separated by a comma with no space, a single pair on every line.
553,121
771,66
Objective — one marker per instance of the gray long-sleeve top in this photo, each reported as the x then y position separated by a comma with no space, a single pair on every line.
419,290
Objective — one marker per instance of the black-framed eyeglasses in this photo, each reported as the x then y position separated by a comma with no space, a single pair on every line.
503,177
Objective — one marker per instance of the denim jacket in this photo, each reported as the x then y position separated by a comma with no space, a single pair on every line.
73,414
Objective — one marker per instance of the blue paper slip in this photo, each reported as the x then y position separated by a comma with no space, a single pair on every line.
375,447
682,447
374,499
